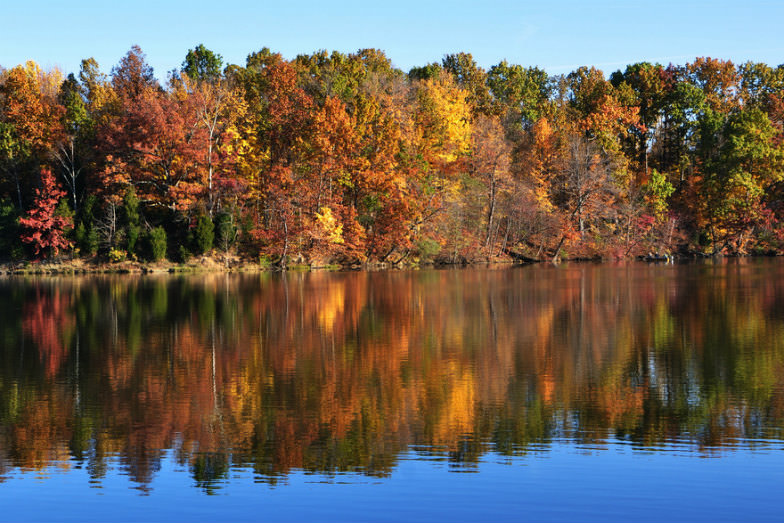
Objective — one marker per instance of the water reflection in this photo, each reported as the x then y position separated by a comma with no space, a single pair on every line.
346,373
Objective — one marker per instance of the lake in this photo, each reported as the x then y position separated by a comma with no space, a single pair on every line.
581,392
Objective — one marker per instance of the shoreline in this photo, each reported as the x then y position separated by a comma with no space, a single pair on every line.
207,264
211,264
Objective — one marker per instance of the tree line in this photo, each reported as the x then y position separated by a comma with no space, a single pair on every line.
345,159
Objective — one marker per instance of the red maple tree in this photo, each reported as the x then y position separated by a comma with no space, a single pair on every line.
43,229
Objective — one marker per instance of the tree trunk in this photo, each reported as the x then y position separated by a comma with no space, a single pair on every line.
491,210
558,249
285,243
18,192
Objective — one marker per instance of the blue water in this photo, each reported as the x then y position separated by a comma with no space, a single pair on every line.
580,393
560,483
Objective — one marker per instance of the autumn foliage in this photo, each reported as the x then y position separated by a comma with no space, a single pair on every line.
334,158
42,228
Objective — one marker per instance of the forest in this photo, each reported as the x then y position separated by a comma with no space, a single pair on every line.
343,159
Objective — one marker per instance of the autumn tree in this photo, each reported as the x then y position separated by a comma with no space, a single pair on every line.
30,123
380,192
328,171
470,77
534,219
719,81
220,112
443,123
440,147
100,97
586,186
151,143
133,76
282,116
490,160
42,228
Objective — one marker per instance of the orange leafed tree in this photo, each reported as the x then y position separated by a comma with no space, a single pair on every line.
30,122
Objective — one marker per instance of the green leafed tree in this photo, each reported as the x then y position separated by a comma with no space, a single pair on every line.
524,91
204,234
131,218
201,64
745,162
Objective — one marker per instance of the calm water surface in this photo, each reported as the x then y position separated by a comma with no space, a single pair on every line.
577,393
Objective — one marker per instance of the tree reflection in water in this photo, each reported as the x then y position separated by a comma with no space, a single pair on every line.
345,372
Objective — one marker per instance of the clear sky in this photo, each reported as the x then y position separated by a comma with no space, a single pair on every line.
556,35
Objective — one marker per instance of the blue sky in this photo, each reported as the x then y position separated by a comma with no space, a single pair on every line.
558,36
